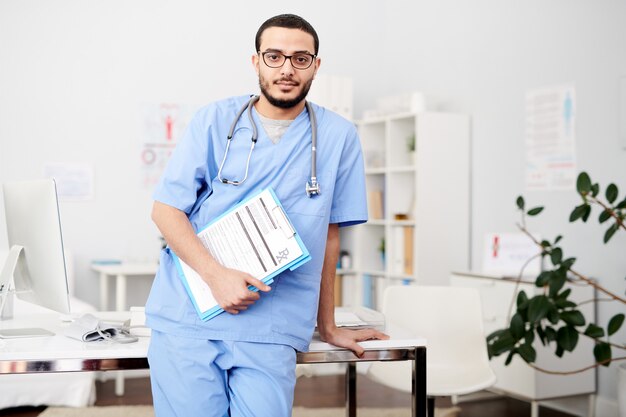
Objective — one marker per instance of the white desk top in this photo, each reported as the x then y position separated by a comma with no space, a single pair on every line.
60,346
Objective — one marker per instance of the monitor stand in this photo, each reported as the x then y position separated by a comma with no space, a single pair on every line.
15,264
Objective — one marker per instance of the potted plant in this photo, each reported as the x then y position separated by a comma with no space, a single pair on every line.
552,316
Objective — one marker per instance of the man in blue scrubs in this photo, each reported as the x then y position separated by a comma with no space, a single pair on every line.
242,362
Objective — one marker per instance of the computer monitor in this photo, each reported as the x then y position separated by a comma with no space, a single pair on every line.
36,264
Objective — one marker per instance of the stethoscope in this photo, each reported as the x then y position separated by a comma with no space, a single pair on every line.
312,186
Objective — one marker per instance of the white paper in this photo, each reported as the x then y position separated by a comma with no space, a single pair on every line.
550,138
506,253
255,238
74,182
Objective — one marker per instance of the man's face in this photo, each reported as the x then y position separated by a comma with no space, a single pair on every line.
285,86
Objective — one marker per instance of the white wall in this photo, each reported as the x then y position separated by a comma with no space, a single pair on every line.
74,74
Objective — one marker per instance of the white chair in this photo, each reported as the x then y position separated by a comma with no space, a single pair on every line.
450,319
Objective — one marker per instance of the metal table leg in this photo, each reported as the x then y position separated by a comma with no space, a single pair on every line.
419,383
351,389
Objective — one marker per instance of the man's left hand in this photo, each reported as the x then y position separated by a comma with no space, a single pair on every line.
347,338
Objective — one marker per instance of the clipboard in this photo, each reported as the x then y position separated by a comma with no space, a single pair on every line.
255,236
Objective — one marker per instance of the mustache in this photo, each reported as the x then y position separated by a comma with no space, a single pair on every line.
287,80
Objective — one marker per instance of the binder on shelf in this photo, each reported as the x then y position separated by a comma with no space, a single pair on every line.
408,250
256,237
375,200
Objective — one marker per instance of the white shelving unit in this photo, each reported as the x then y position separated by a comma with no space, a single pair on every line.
424,211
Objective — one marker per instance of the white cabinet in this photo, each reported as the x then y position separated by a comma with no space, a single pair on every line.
419,205
519,379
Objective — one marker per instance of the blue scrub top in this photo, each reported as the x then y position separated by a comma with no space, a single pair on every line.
287,314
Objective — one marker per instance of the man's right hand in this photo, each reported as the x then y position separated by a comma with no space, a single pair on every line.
230,289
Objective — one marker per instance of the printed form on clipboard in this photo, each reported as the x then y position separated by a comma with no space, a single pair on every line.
256,237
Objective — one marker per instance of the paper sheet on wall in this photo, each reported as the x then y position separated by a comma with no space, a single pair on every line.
550,138
509,254
74,181
163,126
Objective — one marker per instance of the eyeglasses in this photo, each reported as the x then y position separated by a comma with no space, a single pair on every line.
300,60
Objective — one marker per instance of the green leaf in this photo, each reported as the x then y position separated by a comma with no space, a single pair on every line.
594,331
529,337
611,193
604,216
527,352
495,334
563,303
622,204
602,352
554,316
615,323
586,213
522,300
595,189
503,343
510,357
567,264
578,212
557,281
573,317
610,232
583,183
517,327
564,294
543,279
559,351
520,202
556,255
535,211
567,338
558,238
542,335
550,334
538,308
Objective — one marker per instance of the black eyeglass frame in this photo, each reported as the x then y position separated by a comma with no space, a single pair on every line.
288,57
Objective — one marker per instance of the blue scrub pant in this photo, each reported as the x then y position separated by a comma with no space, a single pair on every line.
210,378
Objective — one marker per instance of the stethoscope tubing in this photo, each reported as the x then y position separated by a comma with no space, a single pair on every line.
312,186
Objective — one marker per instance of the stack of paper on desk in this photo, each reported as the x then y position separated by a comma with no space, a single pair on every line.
256,237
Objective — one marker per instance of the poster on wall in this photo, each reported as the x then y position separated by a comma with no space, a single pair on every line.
163,126
550,138
74,181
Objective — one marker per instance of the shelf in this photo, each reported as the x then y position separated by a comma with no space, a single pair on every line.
407,168
401,223
341,271
390,170
375,171
376,222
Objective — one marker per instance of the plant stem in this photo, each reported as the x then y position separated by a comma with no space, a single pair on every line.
618,219
577,274
595,365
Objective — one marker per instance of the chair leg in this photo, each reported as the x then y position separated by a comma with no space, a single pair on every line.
431,407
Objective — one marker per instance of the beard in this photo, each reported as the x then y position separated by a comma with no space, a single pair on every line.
284,103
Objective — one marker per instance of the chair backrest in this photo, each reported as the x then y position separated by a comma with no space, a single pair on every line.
450,319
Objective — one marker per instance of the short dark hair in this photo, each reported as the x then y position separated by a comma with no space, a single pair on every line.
290,21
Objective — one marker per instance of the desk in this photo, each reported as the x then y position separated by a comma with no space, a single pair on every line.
121,272
62,354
